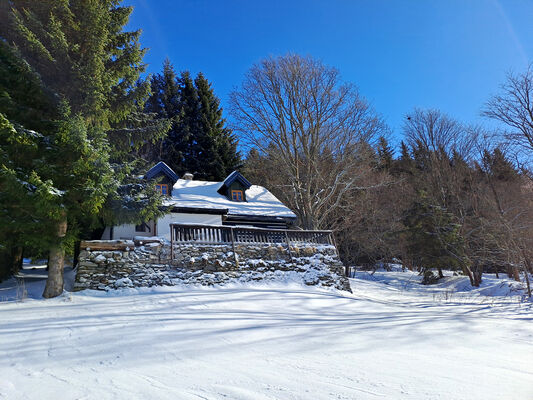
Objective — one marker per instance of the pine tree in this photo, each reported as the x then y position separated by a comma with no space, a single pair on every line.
82,55
198,141
433,238
187,128
498,167
164,103
22,103
47,165
405,164
219,155
385,154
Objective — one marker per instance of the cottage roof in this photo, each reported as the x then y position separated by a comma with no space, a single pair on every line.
235,176
161,167
195,194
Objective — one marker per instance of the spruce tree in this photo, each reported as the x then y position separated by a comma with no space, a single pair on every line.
404,164
433,239
497,166
187,128
164,103
198,141
25,112
219,155
82,55
385,154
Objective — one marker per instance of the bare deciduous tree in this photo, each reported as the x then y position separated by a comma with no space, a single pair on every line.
299,112
514,107
435,131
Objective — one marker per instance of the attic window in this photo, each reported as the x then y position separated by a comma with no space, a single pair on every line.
161,188
236,195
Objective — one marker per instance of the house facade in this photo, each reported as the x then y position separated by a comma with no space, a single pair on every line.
232,202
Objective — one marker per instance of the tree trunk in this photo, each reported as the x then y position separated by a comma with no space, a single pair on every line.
529,264
527,268
468,272
477,278
77,248
16,259
10,261
441,275
477,275
526,274
56,264
5,263
515,273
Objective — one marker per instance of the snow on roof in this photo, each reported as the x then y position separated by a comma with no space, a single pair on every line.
204,195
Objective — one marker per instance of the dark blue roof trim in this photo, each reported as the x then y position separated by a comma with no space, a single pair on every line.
161,167
236,176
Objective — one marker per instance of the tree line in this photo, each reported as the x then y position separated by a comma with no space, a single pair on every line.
452,196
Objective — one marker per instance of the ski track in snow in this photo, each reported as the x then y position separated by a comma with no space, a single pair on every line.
391,339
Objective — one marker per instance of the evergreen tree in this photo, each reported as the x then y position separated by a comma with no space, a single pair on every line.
404,152
405,164
497,166
163,102
82,55
185,142
385,154
433,239
51,174
24,112
219,155
198,141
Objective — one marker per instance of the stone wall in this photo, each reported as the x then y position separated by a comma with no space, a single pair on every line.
148,263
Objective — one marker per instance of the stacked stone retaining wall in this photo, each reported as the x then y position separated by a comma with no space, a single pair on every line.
149,263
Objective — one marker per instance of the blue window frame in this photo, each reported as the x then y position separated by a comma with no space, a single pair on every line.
236,195
162,188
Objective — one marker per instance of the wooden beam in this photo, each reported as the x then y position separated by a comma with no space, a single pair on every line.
107,244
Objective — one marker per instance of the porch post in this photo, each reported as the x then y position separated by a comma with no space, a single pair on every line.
288,245
233,245
171,243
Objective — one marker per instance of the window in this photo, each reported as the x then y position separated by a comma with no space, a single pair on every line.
236,195
142,227
162,188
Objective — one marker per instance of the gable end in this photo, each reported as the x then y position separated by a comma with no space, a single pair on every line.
237,183
162,169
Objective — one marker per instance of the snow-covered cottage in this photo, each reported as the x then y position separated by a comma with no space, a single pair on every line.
233,202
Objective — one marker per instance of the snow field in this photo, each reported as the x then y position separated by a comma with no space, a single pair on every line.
391,339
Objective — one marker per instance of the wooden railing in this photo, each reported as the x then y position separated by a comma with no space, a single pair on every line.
218,234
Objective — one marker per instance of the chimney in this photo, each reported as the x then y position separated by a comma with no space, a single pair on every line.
187,176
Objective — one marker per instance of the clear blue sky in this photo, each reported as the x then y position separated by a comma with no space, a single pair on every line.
448,54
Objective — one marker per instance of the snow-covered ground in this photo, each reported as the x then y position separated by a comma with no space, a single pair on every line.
391,339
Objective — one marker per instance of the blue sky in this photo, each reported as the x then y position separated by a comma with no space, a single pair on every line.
449,54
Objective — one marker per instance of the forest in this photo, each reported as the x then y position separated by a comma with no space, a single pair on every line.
80,120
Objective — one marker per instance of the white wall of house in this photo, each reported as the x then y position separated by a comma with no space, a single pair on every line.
163,228
107,234
127,231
